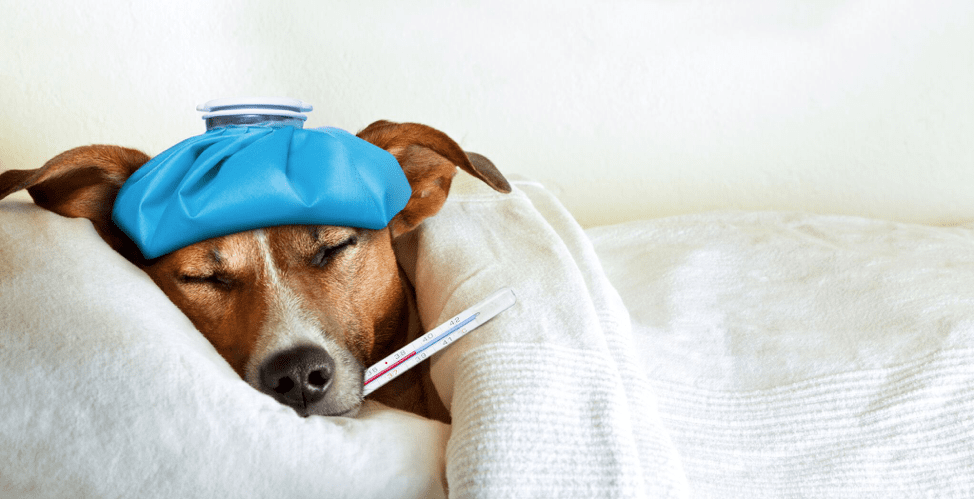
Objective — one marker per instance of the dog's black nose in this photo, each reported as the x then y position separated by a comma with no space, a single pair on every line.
298,377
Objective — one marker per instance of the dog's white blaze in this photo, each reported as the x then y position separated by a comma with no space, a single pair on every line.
289,324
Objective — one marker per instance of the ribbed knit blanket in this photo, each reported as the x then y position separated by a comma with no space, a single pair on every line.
547,399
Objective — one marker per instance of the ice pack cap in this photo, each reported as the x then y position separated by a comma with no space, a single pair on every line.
256,166
254,111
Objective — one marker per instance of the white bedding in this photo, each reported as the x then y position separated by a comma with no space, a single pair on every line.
107,390
805,356
750,355
549,400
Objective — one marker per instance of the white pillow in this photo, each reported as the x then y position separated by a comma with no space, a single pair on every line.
107,390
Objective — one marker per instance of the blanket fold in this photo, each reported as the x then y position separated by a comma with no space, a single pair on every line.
546,398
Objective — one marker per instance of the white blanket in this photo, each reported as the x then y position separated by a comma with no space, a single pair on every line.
547,401
806,356
750,355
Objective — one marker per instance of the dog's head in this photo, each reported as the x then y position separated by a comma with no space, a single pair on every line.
297,311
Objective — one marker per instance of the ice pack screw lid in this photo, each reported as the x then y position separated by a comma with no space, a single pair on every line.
254,111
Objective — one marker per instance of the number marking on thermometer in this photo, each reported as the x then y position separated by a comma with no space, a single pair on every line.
436,339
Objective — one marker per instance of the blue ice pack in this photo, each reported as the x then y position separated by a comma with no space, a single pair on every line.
256,166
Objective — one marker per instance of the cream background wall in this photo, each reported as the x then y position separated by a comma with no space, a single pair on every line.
625,109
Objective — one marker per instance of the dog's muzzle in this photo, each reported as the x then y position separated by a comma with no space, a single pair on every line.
298,377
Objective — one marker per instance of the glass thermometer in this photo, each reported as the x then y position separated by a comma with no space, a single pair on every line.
423,347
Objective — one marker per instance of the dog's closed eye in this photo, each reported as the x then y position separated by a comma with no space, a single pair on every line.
215,280
326,253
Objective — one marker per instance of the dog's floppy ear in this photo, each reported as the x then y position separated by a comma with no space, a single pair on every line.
429,159
82,183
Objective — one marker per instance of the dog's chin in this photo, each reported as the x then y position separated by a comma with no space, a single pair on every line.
350,412
328,408
345,406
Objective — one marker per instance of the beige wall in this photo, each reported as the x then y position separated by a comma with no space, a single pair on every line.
624,109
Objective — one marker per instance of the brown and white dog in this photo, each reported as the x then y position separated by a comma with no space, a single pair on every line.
297,311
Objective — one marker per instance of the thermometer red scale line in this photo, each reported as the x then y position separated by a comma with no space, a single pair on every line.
425,346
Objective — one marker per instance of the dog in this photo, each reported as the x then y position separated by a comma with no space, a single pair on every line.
297,311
